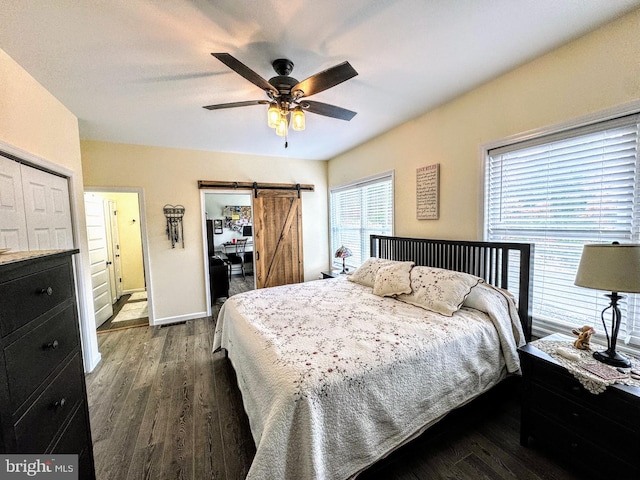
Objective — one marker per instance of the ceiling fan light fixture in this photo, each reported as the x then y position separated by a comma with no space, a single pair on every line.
282,128
297,119
273,115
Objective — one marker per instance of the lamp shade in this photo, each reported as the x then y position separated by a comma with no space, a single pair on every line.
273,115
297,119
343,252
614,268
282,128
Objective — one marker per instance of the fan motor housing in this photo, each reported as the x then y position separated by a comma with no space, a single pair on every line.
283,83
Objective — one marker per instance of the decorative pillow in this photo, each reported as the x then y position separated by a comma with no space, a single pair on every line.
393,279
438,290
365,274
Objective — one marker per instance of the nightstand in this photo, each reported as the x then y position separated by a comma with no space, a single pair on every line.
598,433
331,274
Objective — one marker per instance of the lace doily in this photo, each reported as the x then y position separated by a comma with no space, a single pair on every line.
588,380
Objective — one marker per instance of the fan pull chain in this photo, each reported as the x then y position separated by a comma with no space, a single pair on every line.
286,141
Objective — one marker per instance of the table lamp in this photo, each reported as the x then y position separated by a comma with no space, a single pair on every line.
616,268
343,252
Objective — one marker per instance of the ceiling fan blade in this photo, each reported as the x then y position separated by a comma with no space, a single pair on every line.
327,110
325,79
236,104
241,69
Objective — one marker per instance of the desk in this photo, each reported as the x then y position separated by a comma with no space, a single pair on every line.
228,247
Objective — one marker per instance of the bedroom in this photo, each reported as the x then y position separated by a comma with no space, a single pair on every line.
591,74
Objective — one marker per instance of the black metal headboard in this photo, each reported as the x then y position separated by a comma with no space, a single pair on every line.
495,262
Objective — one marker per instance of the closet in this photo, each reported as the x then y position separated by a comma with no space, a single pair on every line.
35,212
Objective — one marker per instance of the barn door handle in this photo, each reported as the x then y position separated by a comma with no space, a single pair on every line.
257,256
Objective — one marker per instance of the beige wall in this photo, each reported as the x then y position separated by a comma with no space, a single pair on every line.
35,126
170,176
596,72
129,239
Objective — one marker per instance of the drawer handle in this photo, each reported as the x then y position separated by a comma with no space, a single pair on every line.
46,291
60,403
52,345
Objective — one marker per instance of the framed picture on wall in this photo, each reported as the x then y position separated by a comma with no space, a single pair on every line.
217,226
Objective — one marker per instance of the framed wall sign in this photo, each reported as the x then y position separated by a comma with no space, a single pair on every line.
428,192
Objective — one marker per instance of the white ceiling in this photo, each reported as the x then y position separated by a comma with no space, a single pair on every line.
139,71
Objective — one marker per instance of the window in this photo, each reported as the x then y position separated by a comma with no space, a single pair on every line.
559,192
359,210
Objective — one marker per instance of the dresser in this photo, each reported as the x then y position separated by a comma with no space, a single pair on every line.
598,433
43,402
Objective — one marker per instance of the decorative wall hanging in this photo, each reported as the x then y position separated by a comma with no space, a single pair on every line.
428,192
236,216
175,231
217,226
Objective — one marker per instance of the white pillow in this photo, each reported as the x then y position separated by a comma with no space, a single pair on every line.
393,279
365,274
438,290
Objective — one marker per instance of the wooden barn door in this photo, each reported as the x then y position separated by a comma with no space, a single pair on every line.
277,220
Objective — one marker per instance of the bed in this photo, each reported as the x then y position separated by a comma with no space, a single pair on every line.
334,376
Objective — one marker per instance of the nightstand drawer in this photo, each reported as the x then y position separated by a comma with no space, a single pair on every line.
581,420
31,358
614,405
591,453
39,425
28,297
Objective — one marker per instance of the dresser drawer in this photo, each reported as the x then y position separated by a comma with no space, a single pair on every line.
28,297
75,438
39,425
586,423
31,358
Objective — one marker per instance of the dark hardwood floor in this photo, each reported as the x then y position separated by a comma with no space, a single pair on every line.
163,406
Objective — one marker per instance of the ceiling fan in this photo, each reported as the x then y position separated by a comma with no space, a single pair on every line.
287,96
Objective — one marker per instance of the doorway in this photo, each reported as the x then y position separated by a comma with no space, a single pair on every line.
117,250
229,244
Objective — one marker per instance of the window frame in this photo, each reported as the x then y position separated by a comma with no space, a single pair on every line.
542,328
358,184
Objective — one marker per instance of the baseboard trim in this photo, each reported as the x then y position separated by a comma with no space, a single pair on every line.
133,290
179,318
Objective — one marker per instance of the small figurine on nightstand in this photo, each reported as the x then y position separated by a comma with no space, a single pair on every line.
584,336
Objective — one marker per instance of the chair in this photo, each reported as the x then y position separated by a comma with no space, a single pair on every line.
235,259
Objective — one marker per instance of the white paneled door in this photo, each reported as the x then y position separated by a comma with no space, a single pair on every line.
47,209
113,248
13,224
98,256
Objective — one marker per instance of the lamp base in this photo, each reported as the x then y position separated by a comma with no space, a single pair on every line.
612,358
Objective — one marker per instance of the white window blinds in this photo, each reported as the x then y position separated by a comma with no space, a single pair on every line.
560,192
357,211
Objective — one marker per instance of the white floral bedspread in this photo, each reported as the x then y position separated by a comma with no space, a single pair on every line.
333,377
